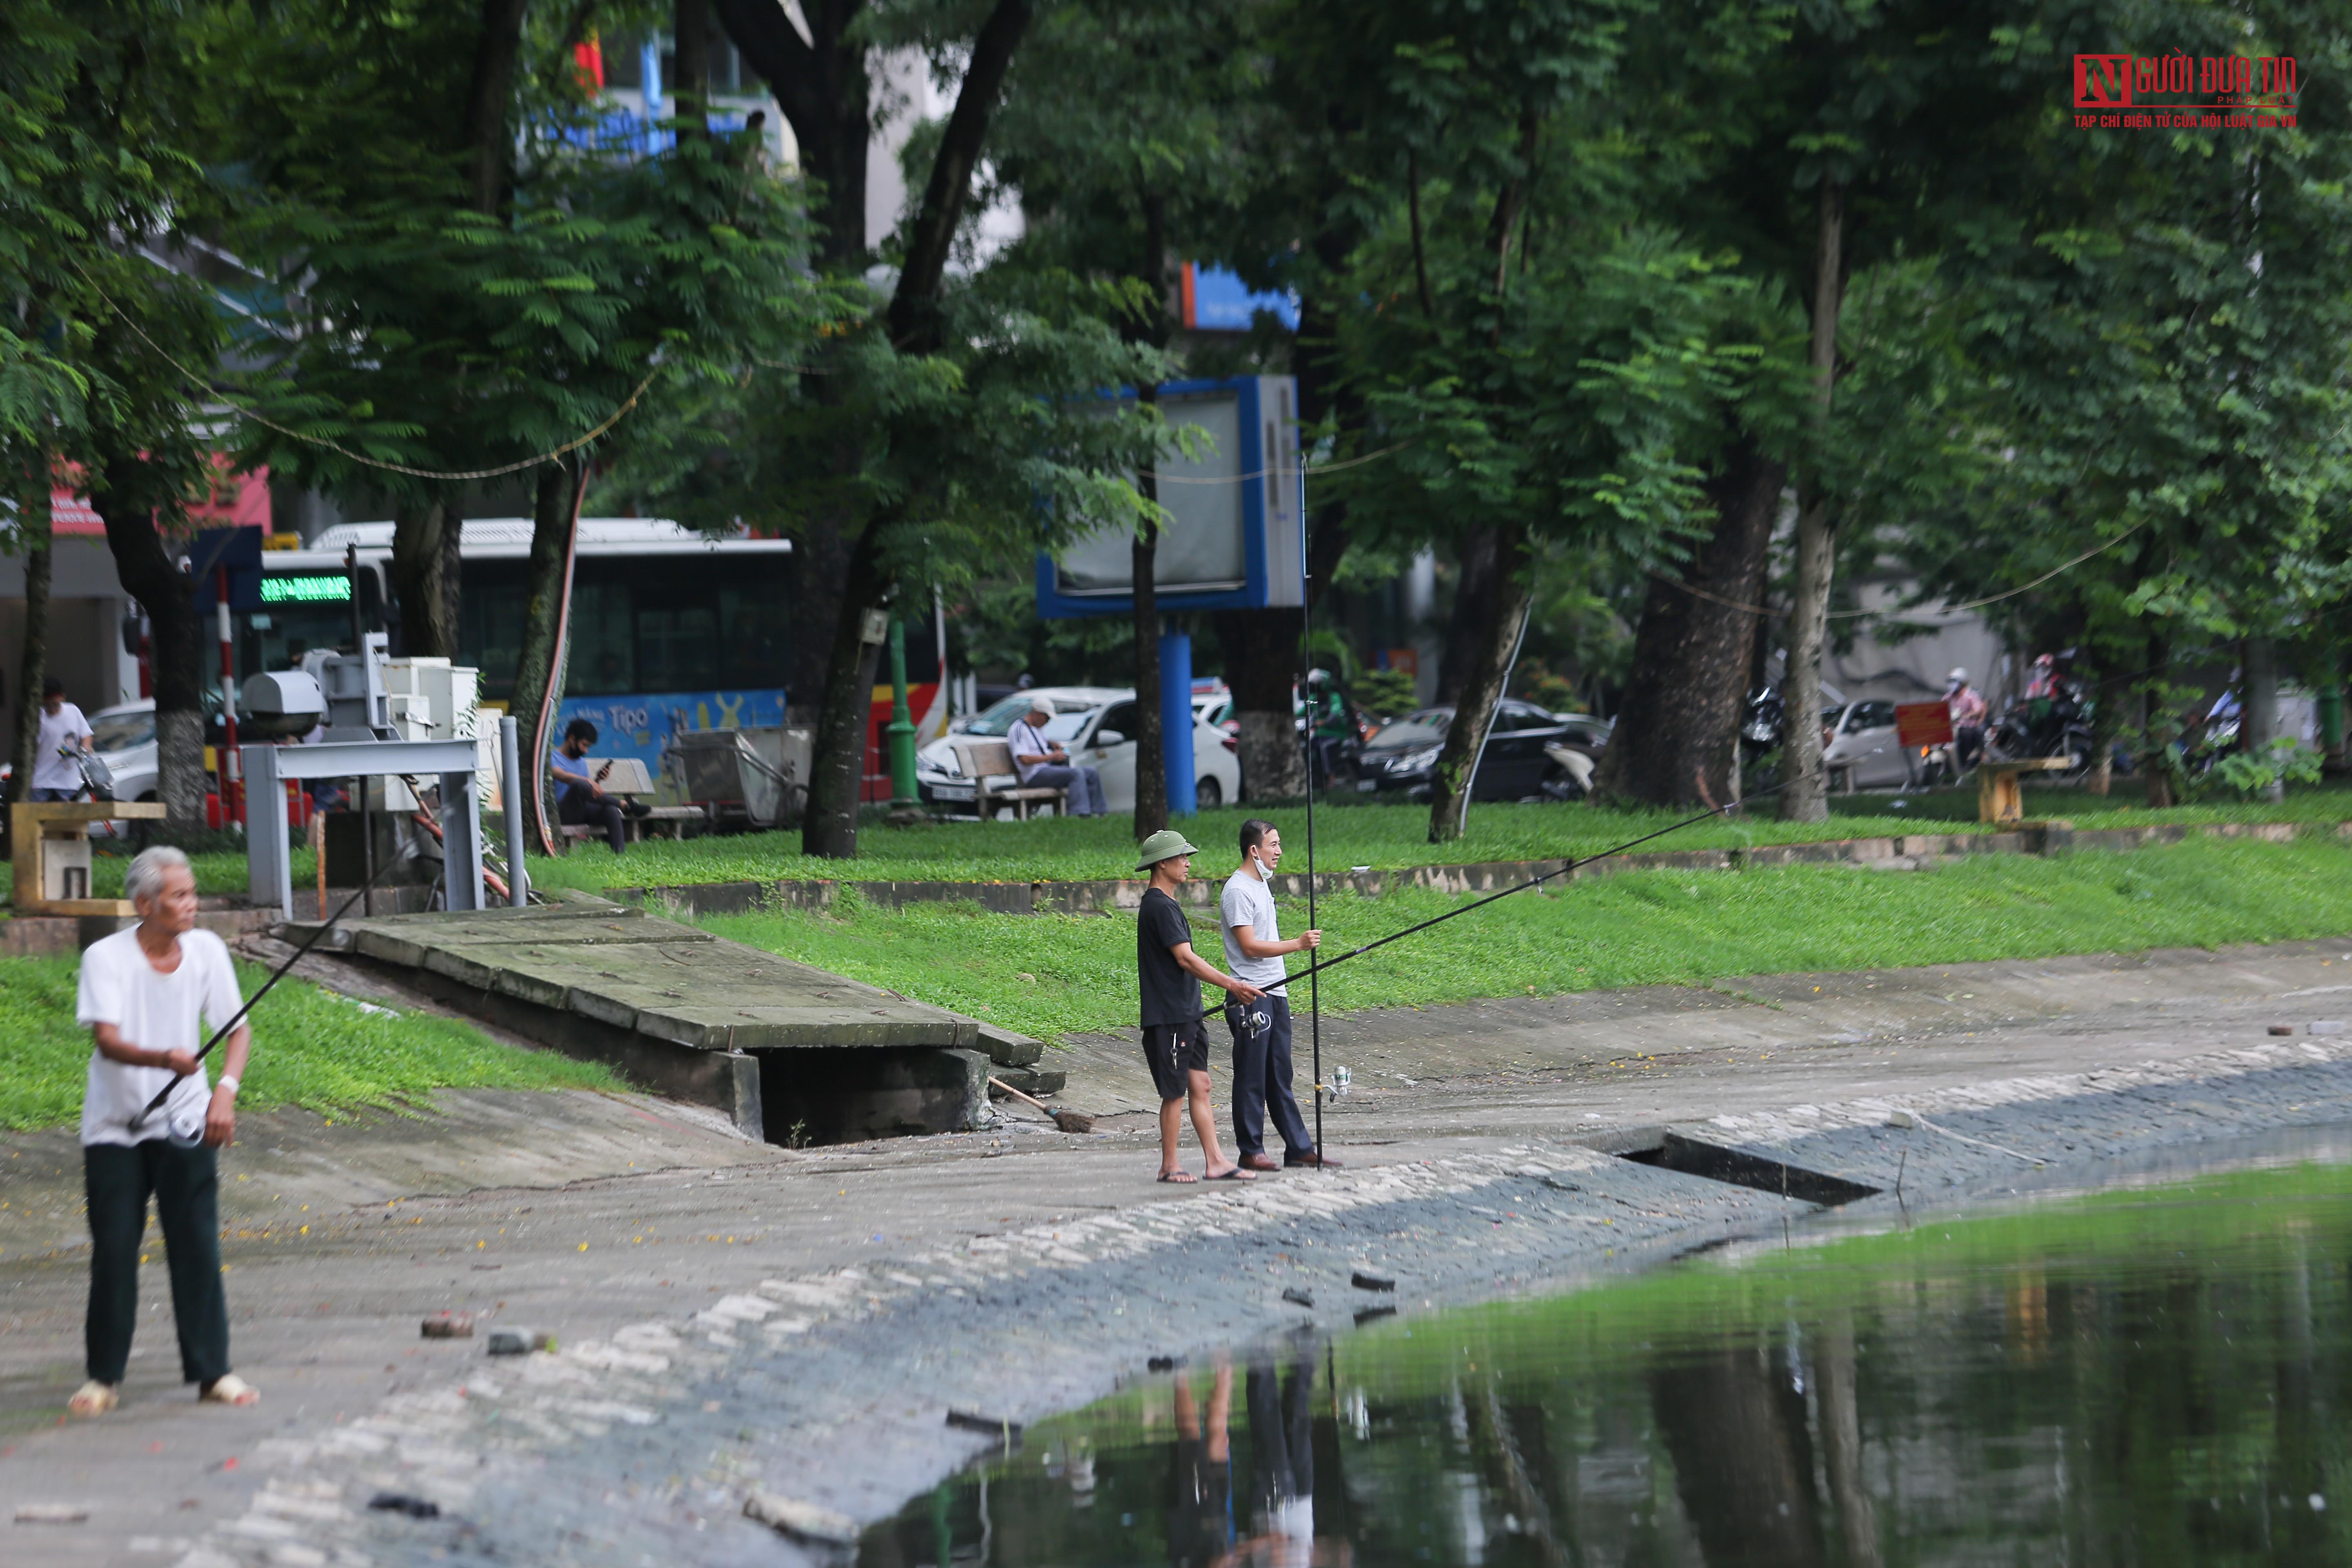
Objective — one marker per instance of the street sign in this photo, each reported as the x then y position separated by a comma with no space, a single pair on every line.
1923,724
1232,537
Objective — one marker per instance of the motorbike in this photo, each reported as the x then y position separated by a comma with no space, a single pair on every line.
2058,725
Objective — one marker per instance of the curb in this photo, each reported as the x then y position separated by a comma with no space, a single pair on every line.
1122,895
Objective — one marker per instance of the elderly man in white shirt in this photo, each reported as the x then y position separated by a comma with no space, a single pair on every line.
147,994
1040,761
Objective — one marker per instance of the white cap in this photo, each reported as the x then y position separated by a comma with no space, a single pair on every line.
1960,676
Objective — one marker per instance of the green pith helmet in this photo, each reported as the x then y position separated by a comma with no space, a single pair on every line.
1164,844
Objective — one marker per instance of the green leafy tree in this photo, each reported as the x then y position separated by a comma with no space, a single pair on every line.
103,359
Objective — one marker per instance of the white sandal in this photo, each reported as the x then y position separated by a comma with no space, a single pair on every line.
93,1398
229,1389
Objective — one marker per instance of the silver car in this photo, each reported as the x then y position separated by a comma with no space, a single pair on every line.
1096,725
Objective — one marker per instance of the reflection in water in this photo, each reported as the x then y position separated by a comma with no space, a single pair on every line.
2159,1376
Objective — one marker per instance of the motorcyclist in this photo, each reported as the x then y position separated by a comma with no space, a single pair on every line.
2043,681
1328,725
1968,710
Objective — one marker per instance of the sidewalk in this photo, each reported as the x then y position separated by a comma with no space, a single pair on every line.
589,1215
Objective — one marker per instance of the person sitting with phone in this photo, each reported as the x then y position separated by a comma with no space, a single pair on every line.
581,800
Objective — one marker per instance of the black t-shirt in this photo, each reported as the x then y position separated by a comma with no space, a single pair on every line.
1170,995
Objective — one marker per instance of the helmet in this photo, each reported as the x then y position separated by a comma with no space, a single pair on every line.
1318,678
1958,677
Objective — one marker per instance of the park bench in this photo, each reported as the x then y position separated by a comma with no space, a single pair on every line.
996,782
2000,801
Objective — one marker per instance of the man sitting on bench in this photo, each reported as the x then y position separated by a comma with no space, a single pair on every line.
1042,762
580,800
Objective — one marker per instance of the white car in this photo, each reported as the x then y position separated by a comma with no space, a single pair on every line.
1096,725
1863,751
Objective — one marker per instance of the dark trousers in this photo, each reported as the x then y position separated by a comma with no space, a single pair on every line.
186,1189
576,808
1262,1079
1281,1438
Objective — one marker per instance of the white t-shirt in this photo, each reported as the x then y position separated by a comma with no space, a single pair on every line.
156,1013
64,728
1248,901
1027,740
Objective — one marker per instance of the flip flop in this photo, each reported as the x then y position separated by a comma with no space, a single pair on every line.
92,1398
230,1389
1235,1174
1185,1177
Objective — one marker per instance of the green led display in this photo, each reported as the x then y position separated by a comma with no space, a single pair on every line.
321,590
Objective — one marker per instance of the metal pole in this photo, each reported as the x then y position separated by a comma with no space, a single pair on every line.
228,757
1307,660
901,728
510,788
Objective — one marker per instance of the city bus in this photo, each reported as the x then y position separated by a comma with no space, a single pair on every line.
671,630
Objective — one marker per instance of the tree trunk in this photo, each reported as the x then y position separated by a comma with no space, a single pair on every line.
35,530
1151,746
1804,795
539,666
149,574
1150,326
690,34
1260,658
837,771
824,87
487,96
2157,729
1453,778
2106,724
2258,705
1469,628
1678,721
422,532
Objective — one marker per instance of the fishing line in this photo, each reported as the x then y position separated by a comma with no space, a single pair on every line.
1571,864
278,975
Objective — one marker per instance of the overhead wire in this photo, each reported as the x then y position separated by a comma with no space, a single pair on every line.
405,470
1699,593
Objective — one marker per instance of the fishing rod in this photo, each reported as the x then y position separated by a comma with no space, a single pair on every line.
1308,972
275,975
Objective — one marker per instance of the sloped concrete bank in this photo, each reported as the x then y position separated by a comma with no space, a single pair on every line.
832,1389
1905,851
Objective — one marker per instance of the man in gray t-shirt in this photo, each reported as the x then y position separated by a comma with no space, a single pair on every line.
1261,1030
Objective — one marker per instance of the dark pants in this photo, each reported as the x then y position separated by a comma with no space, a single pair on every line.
576,808
1262,1079
1282,1438
186,1189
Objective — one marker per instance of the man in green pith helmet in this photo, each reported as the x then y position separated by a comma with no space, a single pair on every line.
1169,975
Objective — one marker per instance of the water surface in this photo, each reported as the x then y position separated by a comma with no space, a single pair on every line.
2157,1376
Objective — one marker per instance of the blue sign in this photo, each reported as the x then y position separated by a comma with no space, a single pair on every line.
640,725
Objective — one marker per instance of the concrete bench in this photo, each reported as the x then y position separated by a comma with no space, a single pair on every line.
661,822
996,782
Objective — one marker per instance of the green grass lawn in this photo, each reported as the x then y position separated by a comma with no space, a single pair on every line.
1050,974
1346,834
311,1048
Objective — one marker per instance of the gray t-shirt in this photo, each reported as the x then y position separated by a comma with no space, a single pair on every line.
1248,901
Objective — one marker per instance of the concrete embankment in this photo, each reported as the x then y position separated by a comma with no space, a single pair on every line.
800,1323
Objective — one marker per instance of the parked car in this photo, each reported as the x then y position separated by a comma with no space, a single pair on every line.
1584,732
1097,726
1402,754
1863,751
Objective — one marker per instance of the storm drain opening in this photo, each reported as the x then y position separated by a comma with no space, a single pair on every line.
1740,1168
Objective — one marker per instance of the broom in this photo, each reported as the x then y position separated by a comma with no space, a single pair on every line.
1067,1120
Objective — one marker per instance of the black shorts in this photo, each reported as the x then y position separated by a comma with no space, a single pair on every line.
1174,1050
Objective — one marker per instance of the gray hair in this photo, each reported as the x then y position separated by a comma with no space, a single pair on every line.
145,877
